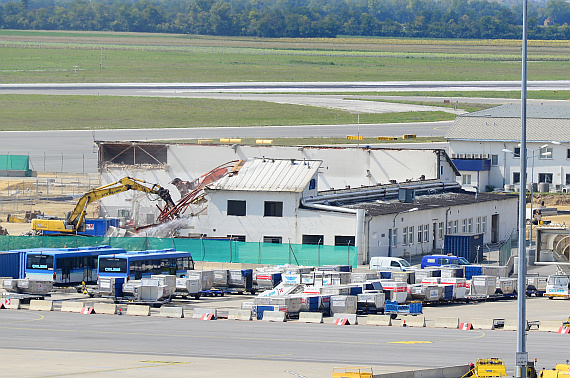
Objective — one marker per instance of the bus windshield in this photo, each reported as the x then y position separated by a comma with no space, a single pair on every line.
112,265
41,262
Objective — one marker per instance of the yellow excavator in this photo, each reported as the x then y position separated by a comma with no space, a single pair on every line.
75,220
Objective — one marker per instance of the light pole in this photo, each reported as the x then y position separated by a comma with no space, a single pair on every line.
394,227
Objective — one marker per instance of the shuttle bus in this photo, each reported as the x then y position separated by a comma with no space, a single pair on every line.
66,265
142,264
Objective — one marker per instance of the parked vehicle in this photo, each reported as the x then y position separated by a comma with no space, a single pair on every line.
558,286
389,263
439,260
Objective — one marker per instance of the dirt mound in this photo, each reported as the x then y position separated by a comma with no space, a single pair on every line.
551,200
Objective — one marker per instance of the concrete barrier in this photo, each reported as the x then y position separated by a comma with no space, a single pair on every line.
414,321
72,306
274,316
446,323
171,312
379,320
479,323
351,318
137,310
204,314
550,325
12,303
311,317
445,372
41,305
105,308
239,315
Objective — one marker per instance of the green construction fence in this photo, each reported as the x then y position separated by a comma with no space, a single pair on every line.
15,163
212,250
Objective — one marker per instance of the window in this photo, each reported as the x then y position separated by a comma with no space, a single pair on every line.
394,237
440,231
568,153
455,227
411,235
313,239
545,153
420,233
545,177
405,236
478,225
516,177
426,233
470,225
484,224
313,184
273,239
464,226
517,152
240,238
567,179
236,208
340,240
448,231
494,160
466,179
273,209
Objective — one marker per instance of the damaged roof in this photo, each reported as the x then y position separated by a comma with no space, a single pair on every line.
270,175
427,202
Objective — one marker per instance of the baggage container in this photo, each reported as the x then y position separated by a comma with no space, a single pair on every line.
335,290
408,276
335,278
241,278
370,301
459,286
473,270
343,304
335,268
291,278
10,285
262,301
355,290
259,310
267,280
168,281
111,286
467,246
26,286
283,289
399,290
420,274
385,274
507,286
151,290
293,304
447,292
433,293
362,277
221,278
313,289
309,302
495,270
431,281
13,264
206,276
483,285
418,292
536,284
452,271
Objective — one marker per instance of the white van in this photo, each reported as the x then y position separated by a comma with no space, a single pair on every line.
389,263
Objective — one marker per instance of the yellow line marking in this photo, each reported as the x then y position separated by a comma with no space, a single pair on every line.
118,369
273,355
482,334
23,321
409,342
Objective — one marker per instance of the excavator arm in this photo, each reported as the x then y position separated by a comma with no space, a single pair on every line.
75,219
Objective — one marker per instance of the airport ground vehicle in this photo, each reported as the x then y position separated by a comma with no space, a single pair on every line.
65,265
143,264
352,372
75,220
558,286
561,370
388,263
439,260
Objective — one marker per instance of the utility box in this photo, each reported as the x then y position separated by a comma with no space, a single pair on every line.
468,246
406,195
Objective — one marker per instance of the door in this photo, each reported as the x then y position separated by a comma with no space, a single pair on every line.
87,264
495,228
434,235
65,270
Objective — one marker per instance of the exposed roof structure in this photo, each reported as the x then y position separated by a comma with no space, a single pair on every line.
545,123
427,202
270,175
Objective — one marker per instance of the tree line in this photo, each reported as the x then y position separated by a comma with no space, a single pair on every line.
476,19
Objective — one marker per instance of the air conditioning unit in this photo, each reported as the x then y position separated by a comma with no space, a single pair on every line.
462,156
477,156
468,156
485,156
454,156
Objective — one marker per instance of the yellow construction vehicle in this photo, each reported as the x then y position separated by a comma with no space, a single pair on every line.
75,220
352,372
561,370
487,367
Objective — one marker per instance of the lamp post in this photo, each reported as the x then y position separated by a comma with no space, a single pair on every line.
394,227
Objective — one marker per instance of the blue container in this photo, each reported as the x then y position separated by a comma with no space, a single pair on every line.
259,310
312,302
447,292
386,275
99,227
473,270
13,264
467,246
416,308
355,290
119,281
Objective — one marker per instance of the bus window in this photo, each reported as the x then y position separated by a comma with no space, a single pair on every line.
39,262
112,265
